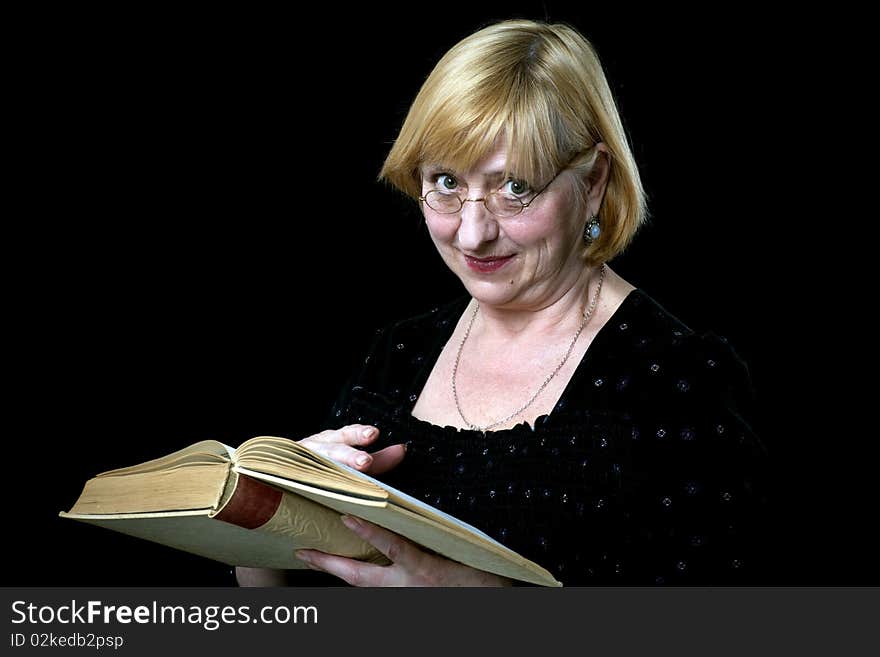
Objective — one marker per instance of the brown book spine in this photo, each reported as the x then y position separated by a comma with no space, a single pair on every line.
252,504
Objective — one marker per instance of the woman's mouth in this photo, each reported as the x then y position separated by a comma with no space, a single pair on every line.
487,265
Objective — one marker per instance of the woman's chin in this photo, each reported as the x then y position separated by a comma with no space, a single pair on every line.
491,293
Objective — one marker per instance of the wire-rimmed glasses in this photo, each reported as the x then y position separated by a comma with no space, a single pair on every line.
499,203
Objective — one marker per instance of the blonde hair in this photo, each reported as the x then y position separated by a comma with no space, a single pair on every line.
538,87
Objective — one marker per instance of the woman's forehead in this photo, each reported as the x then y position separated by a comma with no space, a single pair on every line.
493,165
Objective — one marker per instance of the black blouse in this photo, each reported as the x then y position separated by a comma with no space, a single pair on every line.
646,472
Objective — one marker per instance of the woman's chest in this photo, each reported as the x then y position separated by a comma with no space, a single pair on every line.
461,392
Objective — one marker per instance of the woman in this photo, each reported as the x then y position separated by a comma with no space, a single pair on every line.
557,406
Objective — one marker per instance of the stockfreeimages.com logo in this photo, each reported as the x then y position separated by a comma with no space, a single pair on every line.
209,617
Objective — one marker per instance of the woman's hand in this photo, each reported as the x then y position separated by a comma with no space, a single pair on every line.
410,565
343,445
340,445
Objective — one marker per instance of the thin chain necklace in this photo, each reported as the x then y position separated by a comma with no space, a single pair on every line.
587,315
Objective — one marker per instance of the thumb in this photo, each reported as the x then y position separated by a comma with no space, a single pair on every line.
386,459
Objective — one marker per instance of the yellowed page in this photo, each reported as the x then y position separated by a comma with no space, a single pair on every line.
204,452
297,487
285,458
194,487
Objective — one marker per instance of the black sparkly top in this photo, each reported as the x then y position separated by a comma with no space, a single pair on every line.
646,472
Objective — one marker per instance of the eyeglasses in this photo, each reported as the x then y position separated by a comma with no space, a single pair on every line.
498,203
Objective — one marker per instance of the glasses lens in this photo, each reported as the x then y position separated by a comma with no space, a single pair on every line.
443,203
503,205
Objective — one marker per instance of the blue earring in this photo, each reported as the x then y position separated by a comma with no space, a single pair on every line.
592,230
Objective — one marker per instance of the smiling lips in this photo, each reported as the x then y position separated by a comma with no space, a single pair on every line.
487,265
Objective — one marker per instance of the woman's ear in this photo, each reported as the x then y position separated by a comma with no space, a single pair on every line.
597,179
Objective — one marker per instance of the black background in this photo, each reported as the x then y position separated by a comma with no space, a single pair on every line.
201,249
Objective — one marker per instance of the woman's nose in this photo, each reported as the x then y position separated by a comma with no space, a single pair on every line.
477,226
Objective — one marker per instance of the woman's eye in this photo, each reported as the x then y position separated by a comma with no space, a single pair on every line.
516,187
445,181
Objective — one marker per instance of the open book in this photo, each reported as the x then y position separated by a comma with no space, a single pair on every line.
255,505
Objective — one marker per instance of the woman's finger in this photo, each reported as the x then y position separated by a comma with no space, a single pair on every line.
353,434
356,573
395,547
374,464
353,458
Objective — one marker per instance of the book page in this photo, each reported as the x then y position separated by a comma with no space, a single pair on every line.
299,487
287,459
206,452
176,489
257,447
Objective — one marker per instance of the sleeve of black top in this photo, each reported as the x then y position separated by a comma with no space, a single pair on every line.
372,373
699,506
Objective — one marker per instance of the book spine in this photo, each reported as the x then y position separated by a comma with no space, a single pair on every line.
252,504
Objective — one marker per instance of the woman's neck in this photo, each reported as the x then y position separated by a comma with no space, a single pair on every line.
562,312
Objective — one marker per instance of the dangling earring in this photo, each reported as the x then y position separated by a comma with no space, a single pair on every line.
592,230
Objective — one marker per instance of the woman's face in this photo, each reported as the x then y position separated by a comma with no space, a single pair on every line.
521,262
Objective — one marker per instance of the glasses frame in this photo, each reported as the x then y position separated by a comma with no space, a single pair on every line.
484,200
